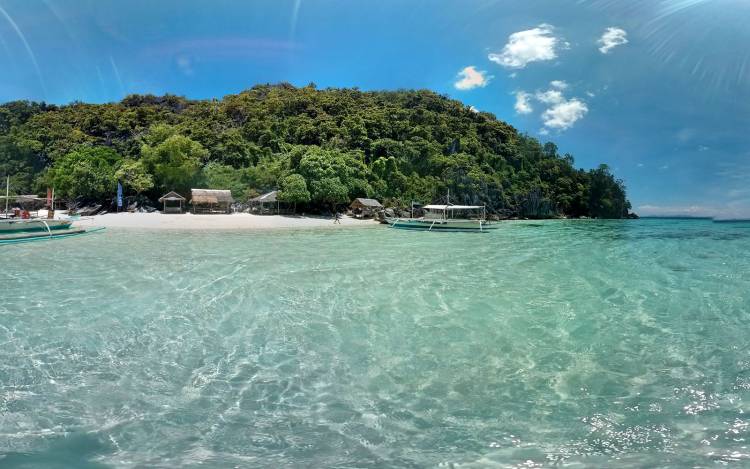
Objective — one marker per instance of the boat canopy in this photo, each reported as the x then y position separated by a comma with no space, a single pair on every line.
453,207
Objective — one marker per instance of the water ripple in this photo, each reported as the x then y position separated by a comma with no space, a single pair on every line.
584,343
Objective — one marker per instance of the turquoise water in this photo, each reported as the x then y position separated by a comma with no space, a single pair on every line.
592,344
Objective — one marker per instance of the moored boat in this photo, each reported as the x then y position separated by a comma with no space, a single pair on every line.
448,217
14,225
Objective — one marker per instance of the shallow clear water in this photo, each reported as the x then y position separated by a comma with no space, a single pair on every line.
589,343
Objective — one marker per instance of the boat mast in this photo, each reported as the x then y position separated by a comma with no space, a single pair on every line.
447,203
7,194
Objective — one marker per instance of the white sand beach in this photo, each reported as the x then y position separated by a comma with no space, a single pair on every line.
235,221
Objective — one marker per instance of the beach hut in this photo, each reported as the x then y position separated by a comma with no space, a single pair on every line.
172,202
211,200
268,203
365,207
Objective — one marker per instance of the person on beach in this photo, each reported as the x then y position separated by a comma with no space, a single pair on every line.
337,218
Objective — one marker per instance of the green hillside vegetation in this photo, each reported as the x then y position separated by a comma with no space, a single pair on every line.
319,147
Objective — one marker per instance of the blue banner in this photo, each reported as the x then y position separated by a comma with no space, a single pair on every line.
119,194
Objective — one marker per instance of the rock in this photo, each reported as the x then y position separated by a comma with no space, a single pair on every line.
389,213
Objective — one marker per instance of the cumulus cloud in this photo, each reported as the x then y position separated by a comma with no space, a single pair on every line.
612,38
533,45
523,104
564,114
560,114
550,96
470,78
559,84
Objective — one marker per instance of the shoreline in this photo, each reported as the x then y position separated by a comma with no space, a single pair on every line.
218,222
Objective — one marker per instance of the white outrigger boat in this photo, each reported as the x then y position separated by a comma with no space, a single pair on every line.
15,225
472,218
22,227
22,222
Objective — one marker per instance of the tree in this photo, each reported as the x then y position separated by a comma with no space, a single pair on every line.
175,162
294,190
133,175
329,191
319,163
606,194
87,172
219,176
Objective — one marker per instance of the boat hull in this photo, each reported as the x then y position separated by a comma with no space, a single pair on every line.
33,224
479,226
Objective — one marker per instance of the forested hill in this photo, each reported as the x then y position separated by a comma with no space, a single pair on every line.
319,147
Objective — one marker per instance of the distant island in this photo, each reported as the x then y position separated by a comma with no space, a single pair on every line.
319,148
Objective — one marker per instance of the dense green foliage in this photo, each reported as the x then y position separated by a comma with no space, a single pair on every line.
320,147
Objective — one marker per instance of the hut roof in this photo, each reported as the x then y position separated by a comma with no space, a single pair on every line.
360,202
170,196
211,196
265,198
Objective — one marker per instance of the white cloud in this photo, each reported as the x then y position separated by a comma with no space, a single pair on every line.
612,38
550,97
559,84
560,113
470,78
564,114
523,105
533,45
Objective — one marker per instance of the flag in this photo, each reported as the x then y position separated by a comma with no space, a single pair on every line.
119,194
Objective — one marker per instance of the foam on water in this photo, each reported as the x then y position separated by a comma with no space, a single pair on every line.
579,342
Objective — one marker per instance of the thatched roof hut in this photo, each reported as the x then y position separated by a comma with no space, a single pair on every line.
172,202
211,200
365,207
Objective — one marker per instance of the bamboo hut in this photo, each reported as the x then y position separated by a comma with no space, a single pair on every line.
211,201
172,202
363,208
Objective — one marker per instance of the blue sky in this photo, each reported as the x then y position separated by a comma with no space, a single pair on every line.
659,90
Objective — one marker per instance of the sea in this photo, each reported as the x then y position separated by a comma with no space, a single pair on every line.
560,343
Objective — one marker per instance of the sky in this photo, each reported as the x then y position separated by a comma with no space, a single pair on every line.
657,89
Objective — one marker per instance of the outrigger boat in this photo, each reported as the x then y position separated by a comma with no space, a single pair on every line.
23,222
22,227
447,218
15,225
